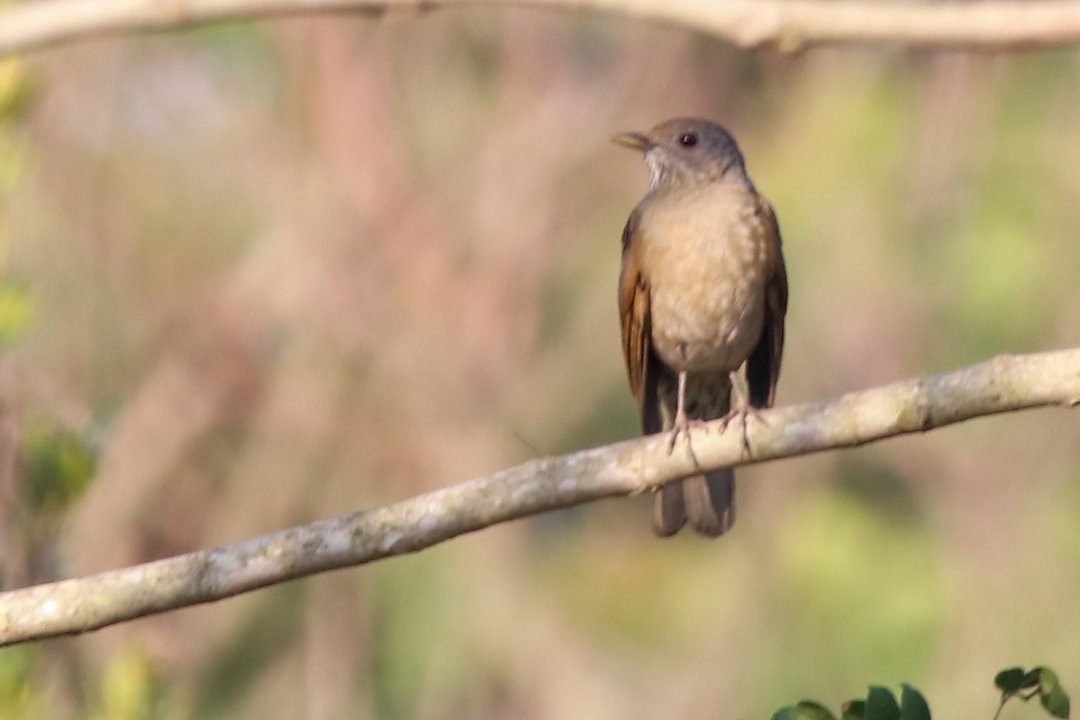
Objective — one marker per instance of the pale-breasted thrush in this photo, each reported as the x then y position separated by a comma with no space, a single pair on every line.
703,290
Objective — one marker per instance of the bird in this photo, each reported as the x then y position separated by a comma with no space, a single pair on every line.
703,290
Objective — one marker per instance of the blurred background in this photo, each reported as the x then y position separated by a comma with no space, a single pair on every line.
257,274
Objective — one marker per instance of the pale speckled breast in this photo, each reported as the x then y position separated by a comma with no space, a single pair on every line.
704,252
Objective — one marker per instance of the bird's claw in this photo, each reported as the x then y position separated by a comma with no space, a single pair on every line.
682,426
744,412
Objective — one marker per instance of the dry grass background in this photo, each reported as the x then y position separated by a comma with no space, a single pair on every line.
288,269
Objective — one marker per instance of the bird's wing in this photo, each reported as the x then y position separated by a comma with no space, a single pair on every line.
636,328
763,366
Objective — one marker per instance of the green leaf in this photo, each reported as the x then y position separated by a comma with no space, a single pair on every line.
1032,678
853,710
1048,680
57,467
881,704
912,704
1053,698
805,710
810,710
786,713
1010,680
1056,702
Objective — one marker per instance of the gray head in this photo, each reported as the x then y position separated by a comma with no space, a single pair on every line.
686,150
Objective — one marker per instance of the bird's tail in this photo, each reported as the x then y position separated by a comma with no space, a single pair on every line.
707,501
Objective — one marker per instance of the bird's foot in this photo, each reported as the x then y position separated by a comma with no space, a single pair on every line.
744,412
682,426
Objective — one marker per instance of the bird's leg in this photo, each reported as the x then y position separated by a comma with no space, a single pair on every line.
742,409
681,423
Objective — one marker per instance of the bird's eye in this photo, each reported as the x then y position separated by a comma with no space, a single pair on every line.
688,140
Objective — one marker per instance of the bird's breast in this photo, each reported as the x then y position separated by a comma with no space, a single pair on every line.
704,255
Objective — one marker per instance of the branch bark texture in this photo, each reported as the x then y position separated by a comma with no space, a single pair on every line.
787,24
1003,384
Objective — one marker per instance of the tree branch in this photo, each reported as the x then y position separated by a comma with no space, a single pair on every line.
787,24
73,606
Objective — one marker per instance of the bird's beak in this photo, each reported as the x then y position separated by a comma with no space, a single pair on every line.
633,140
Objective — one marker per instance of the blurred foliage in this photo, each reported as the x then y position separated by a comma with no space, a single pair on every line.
16,312
16,90
881,704
16,93
56,467
20,698
244,655
412,618
868,583
131,688
16,302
